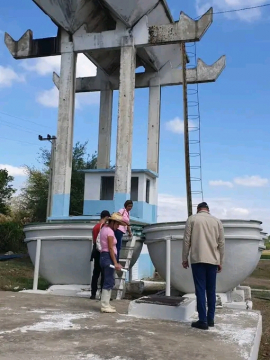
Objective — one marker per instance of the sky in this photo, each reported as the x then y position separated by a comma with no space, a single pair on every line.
233,112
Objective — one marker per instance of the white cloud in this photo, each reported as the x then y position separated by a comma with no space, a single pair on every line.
13,170
8,76
50,98
47,65
172,208
177,125
239,211
224,5
251,181
220,183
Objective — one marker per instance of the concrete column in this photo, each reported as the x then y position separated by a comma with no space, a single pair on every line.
64,142
125,123
154,125
105,129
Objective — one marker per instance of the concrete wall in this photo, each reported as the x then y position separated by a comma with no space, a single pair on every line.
143,211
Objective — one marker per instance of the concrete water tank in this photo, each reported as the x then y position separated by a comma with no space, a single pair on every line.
66,249
243,248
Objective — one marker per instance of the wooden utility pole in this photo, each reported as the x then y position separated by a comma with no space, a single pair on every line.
186,132
52,140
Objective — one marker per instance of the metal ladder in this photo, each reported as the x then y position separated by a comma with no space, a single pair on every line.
126,264
194,119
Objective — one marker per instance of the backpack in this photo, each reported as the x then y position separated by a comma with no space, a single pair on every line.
98,244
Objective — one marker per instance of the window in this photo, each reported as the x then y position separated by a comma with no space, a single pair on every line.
134,188
107,188
147,193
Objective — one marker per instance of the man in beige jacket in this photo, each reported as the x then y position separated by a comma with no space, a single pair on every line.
204,239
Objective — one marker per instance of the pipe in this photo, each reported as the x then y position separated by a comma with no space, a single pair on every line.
168,266
37,261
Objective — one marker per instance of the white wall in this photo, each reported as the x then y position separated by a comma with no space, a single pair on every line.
92,186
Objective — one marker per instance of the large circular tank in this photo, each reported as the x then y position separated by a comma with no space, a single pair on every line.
66,249
243,248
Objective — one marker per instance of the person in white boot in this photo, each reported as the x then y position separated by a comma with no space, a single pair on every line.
108,256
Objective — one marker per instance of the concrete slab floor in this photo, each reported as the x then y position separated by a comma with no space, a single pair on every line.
53,327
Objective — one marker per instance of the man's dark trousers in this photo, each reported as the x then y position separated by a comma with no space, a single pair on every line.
204,276
96,273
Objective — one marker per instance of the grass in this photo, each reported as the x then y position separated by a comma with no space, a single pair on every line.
260,279
17,274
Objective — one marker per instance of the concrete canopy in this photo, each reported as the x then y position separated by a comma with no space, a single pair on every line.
102,15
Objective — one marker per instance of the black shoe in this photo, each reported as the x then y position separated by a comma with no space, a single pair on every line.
211,323
200,325
93,297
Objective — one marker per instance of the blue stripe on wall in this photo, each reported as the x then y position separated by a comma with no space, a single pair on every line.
145,267
144,212
119,200
60,205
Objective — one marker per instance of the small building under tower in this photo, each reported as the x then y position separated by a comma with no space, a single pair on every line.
99,194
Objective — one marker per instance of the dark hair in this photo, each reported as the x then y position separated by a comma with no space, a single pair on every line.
128,202
202,205
104,214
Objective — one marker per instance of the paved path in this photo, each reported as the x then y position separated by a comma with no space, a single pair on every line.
47,327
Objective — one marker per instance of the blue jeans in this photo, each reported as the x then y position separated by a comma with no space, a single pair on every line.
119,236
108,272
204,276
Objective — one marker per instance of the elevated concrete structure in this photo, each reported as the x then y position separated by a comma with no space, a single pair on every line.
117,38
66,250
241,236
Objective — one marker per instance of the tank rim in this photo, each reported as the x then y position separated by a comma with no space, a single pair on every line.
184,221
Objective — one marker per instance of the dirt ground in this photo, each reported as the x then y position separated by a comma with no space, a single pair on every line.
264,307
260,279
17,274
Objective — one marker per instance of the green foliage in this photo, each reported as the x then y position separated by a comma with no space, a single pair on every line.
6,191
11,237
17,274
35,194
33,198
265,257
80,161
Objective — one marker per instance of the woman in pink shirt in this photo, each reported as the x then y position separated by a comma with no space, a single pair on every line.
108,257
123,229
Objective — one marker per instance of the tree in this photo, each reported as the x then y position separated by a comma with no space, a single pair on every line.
6,191
35,194
80,161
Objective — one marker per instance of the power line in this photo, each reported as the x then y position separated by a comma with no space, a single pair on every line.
236,10
19,118
242,9
17,127
19,141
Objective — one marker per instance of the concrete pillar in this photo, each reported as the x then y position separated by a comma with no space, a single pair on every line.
154,125
105,129
64,142
125,123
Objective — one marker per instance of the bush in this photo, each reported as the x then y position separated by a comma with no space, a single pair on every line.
267,245
11,237
265,257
